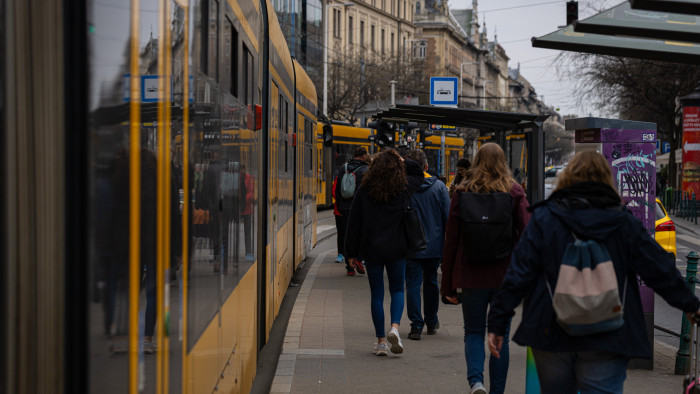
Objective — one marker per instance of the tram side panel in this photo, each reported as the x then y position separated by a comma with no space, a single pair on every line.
280,257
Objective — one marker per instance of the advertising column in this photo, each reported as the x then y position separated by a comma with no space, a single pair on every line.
632,158
691,150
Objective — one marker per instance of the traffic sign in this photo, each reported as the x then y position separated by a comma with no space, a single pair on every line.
443,91
442,127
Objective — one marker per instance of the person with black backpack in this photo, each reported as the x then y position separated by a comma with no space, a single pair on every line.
585,210
345,185
488,212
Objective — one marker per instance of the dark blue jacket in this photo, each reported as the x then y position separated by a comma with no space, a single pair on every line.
537,256
432,201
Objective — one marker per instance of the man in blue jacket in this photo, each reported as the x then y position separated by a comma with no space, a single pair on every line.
432,202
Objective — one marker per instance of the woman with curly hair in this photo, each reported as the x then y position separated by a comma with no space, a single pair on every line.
375,234
478,280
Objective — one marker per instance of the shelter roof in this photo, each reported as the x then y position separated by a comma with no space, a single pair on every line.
487,121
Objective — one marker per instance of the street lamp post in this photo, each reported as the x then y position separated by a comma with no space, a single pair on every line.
325,53
473,77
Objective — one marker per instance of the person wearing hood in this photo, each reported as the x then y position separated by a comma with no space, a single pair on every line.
587,204
432,202
479,281
376,233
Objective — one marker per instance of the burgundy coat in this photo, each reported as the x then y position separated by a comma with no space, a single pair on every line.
457,271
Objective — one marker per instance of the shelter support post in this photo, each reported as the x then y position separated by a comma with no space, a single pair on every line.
535,166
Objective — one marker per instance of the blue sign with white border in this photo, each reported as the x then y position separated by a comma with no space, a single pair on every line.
443,91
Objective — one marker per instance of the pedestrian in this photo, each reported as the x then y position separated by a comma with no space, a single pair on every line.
432,202
248,196
477,280
462,168
356,167
375,232
585,203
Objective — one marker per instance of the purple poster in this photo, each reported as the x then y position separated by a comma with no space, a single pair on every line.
632,158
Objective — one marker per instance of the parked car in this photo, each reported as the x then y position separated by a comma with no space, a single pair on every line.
665,229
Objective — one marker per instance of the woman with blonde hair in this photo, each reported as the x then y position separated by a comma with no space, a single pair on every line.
376,235
463,273
585,206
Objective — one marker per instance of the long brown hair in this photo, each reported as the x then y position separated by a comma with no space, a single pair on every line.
489,171
386,176
586,166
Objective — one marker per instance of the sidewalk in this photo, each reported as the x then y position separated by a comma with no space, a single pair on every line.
685,224
329,338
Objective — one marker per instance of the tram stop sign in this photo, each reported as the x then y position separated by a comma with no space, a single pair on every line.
443,91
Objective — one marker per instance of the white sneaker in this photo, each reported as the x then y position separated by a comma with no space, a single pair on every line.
380,349
478,388
395,341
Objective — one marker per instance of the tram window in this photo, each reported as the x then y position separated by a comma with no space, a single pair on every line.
210,49
280,111
248,73
286,117
232,48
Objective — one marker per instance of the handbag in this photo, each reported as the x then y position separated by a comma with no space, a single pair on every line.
413,229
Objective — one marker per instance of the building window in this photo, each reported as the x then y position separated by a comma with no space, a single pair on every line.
383,5
417,8
392,44
420,51
362,33
350,30
372,39
383,43
404,9
393,6
336,23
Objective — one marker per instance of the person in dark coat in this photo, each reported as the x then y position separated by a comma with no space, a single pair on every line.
375,232
586,203
479,281
359,164
432,202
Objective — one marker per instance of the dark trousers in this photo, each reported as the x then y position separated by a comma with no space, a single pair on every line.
341,224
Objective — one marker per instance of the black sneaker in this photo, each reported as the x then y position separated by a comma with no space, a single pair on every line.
433,330
415,334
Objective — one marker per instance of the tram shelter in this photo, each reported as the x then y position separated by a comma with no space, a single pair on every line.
493,126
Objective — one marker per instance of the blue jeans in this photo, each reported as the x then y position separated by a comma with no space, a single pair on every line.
422,271
395,270
587,372
475,303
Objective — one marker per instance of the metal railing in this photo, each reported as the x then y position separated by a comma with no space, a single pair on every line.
681,203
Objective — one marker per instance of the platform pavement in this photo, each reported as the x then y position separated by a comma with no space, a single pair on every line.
329,337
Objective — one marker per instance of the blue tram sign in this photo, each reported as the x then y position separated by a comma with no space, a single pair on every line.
443,91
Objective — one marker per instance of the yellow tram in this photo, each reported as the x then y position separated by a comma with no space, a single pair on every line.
163,192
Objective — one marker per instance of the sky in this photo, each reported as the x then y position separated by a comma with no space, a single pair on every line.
516,22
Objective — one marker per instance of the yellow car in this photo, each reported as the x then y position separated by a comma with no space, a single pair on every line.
665,229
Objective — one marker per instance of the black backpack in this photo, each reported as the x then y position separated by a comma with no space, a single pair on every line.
486,224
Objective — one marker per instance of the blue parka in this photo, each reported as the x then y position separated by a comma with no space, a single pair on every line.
537,256
432,201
